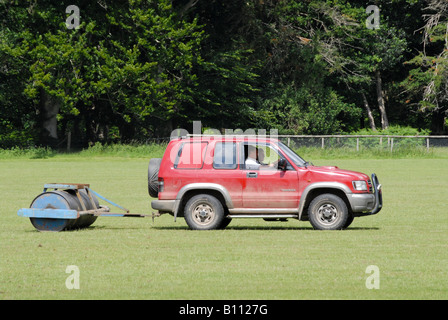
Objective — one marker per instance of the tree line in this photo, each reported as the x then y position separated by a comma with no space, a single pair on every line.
120,71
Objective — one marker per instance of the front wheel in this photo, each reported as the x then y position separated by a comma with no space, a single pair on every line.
328,212
204,212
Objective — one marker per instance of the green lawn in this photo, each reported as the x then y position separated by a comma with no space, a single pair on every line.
134,258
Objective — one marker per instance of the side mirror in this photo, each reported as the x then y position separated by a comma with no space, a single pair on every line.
282,164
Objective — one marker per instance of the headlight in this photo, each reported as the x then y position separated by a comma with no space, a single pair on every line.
360,185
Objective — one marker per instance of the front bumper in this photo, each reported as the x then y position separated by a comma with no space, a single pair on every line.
369,203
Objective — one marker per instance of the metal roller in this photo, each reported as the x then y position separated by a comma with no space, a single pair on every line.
64,199
69,206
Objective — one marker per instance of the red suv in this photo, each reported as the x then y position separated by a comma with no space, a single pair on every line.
210,180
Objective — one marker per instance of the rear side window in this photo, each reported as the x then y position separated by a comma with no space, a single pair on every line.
225,156
191,155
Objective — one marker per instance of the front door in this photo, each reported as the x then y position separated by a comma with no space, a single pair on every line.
264,185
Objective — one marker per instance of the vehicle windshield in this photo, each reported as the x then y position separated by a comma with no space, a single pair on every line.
294,157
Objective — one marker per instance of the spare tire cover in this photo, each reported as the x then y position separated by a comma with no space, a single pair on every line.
153,174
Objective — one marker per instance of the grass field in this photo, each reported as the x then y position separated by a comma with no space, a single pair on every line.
134,258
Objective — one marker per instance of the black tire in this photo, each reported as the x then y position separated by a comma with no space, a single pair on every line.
153,175
328,212
349,221
225,222
204,212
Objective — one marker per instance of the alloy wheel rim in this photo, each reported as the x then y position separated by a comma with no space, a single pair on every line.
327,214
203,214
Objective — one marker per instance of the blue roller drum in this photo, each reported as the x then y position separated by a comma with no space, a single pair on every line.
64,199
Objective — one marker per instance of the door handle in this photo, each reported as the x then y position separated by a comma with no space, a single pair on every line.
252,174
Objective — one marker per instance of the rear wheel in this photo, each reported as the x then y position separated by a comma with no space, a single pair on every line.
204,212
225,222
328,212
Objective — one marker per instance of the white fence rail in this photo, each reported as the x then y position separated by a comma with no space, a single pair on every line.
358,142
364,141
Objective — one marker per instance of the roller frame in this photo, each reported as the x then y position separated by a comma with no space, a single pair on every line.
74,214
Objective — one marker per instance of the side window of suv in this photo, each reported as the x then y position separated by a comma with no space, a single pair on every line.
190,155
262,156
225,156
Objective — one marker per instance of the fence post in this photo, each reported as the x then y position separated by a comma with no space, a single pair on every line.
288,140
391,144
427,144
357,144
323,142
